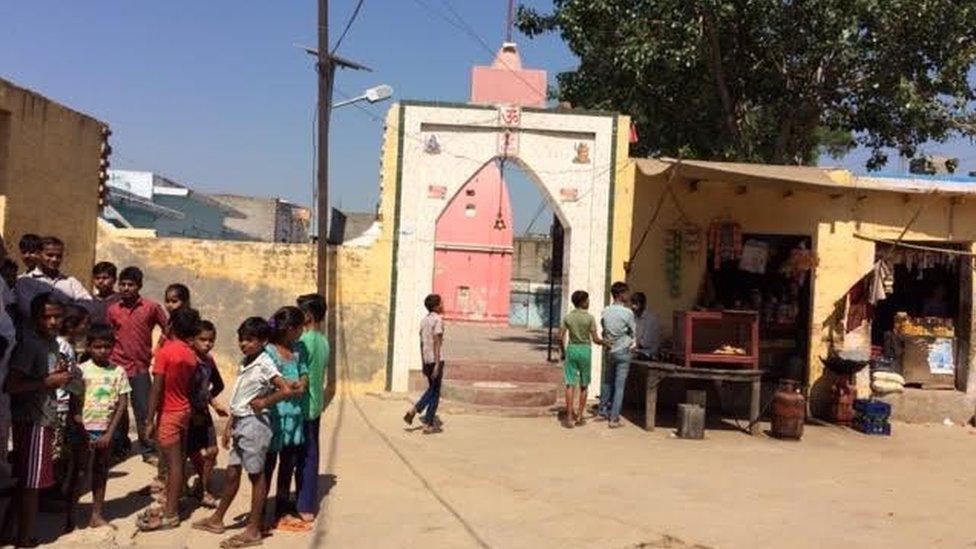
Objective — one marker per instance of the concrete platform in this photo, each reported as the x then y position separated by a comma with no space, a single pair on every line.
487,344
500,393
484,370
931,406
487,386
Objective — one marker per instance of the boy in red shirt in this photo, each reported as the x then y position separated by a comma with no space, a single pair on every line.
169,411
134,317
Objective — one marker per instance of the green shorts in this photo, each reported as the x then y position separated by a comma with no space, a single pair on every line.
576,368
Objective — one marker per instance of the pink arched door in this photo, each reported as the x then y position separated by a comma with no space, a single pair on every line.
473,250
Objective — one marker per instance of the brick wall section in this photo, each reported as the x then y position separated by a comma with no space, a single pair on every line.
49,158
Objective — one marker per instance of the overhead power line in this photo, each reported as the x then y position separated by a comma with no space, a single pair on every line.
352,19
538,212
458,22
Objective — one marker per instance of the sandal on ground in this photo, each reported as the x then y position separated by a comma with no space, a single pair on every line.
150,512
152,523
207,527
238,541
290,523
209,501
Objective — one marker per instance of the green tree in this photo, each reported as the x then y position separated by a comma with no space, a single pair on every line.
771,80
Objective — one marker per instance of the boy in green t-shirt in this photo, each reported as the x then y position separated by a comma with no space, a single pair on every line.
581,328
317,352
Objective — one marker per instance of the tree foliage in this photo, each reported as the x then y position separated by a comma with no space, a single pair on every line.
772,80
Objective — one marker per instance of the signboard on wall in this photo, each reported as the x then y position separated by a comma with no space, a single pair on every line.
508,144
509,116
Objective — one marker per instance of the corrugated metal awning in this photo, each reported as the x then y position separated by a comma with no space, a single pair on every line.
827,179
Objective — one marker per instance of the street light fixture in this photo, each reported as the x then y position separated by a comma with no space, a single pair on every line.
373,95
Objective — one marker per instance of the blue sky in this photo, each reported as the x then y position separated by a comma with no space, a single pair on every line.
214,94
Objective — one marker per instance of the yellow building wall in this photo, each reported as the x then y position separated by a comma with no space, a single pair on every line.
623,202
831,221
49,161
228,280
363,271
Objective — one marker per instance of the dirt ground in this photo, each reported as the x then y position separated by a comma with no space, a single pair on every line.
527,482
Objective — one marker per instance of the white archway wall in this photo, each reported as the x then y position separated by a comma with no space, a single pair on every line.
546,151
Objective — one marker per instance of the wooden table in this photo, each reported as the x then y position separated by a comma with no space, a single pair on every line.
658,371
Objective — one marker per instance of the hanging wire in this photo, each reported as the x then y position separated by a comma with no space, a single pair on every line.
459,23
538,212
352,18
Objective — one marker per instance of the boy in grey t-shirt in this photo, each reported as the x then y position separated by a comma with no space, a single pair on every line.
431,343
248,435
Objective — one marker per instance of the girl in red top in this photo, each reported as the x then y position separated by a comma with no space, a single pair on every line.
176,296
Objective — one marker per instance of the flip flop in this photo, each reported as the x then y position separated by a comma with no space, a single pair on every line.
153,523
292,524
207,527
209,501
151,512
236,542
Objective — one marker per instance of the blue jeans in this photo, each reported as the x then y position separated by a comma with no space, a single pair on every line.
432,396
139,400
307,470
614,380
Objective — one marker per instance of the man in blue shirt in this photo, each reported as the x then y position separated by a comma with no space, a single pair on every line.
619,328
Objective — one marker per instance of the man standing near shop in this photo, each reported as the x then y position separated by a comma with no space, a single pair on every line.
647,337
619,328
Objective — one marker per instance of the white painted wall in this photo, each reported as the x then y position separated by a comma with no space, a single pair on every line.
468,139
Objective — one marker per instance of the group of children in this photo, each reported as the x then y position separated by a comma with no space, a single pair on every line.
78,360
628,330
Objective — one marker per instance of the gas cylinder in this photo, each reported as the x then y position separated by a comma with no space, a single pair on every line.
842,397
789,410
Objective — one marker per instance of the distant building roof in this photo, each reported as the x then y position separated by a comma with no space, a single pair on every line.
118,196
149,184
269,219
346,226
